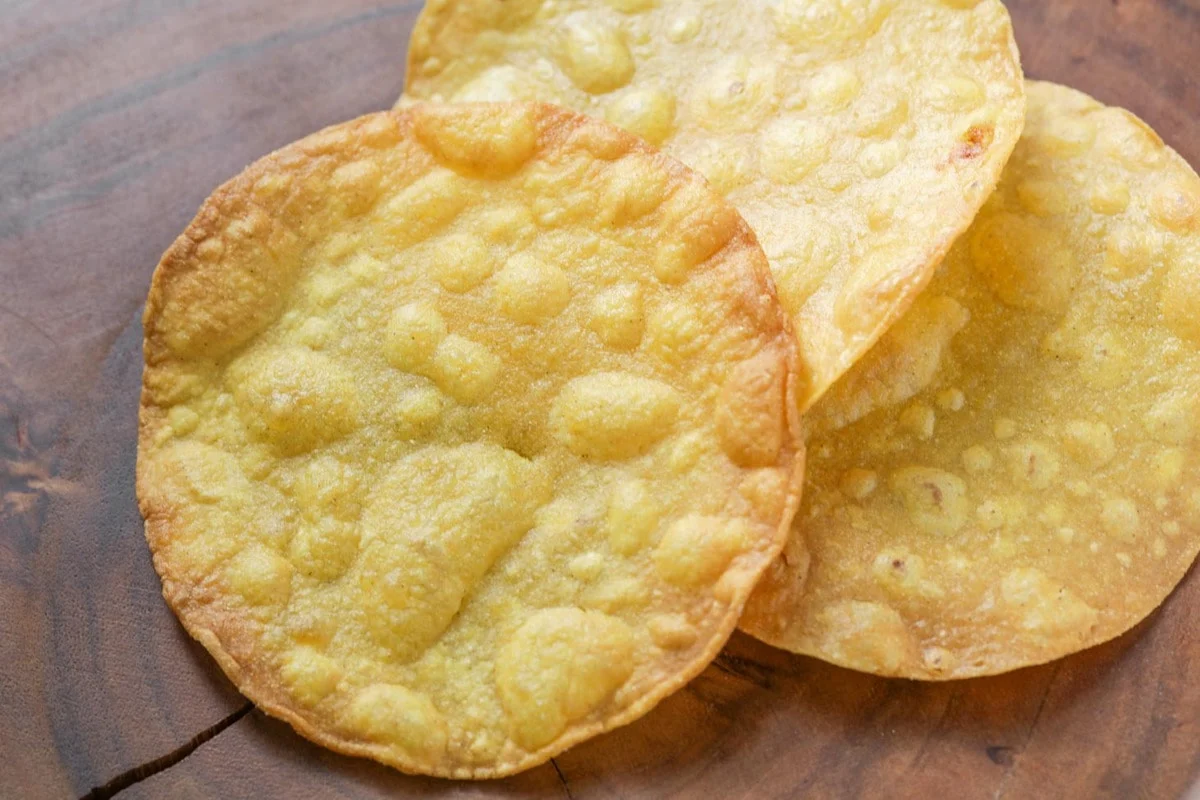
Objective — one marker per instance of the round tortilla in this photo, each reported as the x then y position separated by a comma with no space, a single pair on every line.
465,432
859,138
1013,473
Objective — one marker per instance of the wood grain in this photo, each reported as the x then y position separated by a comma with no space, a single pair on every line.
117,117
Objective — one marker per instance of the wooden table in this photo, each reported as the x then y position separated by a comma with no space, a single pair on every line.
116,119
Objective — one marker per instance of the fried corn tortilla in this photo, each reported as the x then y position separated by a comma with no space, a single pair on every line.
466,432
1013,473
858,137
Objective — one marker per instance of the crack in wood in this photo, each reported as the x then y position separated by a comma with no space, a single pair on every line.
1000,755
562,779
743,669
29,323
918,760
1011,758
165,762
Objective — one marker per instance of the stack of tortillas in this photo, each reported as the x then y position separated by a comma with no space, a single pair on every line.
472,429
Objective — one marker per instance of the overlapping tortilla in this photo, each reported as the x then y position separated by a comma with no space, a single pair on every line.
1013,473
858,137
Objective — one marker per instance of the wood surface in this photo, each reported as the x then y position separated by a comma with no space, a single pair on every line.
117,117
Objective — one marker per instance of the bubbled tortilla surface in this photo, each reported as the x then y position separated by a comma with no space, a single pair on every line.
858,137
1013,473
465,432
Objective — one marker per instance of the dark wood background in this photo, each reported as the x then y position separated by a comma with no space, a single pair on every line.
117,117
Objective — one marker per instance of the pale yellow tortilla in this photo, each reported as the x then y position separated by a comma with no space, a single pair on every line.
1013,473
858,137
466,432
